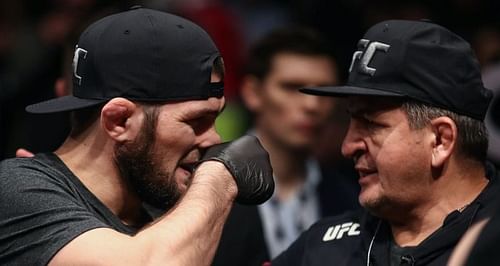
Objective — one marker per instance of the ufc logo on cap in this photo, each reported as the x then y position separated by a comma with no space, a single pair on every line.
338,231
79,52
367,56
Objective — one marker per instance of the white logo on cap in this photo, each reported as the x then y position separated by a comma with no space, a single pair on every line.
367,56
79,52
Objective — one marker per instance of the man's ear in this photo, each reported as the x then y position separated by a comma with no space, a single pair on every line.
250,93
445,139
120,119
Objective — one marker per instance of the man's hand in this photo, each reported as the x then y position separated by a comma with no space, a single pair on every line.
23,153
249,164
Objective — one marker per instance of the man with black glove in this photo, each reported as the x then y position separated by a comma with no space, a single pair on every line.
248,162
147,90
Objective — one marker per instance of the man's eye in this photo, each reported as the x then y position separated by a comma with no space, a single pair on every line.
371,123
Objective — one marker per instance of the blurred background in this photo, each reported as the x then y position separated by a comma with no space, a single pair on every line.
37,38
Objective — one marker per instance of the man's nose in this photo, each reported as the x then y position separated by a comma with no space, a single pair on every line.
353,144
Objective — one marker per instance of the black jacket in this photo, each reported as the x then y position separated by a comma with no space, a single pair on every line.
358,238
242,242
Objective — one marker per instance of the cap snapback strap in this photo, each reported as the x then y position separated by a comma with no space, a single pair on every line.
216,89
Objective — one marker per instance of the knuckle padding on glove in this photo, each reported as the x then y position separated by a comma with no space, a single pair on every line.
249,164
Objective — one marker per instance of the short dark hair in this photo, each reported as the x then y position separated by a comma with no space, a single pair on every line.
81,119
472,133
300,40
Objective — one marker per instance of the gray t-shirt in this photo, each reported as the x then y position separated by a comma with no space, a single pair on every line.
43,206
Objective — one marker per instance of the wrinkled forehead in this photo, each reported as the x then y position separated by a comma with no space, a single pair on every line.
371,104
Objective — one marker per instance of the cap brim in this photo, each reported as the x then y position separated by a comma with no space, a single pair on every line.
342,91
62,104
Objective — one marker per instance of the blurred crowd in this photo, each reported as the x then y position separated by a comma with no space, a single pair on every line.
37,40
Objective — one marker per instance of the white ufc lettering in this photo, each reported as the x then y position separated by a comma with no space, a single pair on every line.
366,56
338,231
79,52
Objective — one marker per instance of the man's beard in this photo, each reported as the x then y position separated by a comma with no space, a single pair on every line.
139,165
376,206
387,208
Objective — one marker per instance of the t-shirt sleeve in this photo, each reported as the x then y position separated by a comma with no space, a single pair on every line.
39,214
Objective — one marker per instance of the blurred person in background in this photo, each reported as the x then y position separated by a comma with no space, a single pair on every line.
288,123
33,55
487,45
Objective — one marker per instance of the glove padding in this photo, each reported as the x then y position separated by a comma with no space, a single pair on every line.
249,164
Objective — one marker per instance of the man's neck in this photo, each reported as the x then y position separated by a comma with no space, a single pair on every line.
90,159
452,193
289,167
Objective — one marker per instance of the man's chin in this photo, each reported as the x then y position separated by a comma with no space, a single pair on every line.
164,202
378,206
369,200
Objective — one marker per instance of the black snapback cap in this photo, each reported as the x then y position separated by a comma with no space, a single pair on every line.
143,55
418,60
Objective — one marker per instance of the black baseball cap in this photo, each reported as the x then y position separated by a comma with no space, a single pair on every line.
419,60
143,55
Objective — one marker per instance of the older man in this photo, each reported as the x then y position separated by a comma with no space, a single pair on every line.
418,141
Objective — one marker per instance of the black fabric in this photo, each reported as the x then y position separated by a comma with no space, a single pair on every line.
43,207
338,190
337,194
399,255
418,60
375,235
242,242
485,249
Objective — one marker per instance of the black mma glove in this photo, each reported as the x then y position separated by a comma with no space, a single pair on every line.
249,164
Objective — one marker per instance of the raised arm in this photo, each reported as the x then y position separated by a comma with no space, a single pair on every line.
189,233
